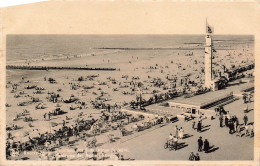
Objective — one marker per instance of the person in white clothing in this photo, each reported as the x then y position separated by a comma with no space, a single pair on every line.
181,132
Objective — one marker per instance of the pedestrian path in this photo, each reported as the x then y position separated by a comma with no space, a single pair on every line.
137,134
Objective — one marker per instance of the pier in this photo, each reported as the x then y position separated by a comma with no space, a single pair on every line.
11,67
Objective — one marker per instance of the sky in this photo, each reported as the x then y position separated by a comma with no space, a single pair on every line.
91,17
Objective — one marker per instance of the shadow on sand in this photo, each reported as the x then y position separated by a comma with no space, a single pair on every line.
204,130
212,149
186,136
181,145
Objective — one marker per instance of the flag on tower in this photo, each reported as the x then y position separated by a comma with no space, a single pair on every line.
209,29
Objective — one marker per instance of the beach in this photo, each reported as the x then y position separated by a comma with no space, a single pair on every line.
139,72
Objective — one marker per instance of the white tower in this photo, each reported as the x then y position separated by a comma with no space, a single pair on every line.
208,57
208,61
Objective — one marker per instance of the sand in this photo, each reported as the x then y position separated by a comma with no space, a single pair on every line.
133,63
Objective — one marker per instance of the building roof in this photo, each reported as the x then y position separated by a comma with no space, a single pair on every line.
212,96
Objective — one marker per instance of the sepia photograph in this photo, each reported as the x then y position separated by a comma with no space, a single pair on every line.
184,94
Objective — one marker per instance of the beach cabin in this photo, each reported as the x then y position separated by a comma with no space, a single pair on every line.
186,108
201,104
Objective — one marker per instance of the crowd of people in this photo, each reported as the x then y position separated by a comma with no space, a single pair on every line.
232,122
81,129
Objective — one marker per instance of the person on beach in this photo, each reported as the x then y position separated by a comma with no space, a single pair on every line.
250,97
197,157
193,124
192,156
226,121
245,119
181,132
231,126
199,126
235,125
170,139
220,121
200,144
252,131
206,146
175,141
177,133
175,130
49,114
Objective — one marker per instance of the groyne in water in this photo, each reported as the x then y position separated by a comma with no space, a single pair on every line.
10,67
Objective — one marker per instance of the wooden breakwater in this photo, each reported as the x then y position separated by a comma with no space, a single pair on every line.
10,67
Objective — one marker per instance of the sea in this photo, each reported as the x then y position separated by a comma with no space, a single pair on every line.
22,47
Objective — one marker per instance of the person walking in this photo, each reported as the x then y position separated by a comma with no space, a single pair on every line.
199,127
175,131
181,133
220,121
200,144
193,124
175,141
226,121
245,119
231,126
206,146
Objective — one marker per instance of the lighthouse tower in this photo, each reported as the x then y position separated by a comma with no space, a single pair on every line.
208,57
208,61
